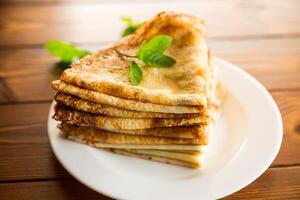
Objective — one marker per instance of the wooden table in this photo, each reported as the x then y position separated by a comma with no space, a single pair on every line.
263,37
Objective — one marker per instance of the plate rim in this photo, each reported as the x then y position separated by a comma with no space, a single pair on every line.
258,173
277,115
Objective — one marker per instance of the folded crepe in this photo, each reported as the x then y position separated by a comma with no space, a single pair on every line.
80,118
102,109
167,154
190,132
165,118
121,102
189,152
185,83
107,137
185,162
168,147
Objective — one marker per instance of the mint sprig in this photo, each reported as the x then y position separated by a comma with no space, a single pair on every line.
158,44
132,26
158,60
151,53
66,52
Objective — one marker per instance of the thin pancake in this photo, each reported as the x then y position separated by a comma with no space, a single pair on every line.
169,147
107,71
130,152
166,154
191,152
120,102
96,108
106,137
86,119
184,132
192,132
157,158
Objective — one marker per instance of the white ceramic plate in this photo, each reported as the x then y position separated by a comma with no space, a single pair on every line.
245,141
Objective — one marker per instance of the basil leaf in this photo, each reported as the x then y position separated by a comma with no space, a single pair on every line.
66,52
135,73
158,60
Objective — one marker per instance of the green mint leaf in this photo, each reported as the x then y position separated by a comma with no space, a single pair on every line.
66,52
63,64
129,30
140,54
151,52
127,20
158,44
135,73
158,60
131,26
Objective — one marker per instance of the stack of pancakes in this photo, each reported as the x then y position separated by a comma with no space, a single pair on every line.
166,118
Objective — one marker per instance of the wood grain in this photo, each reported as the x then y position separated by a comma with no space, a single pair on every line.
24,141
27,73
52,190
273,62
26,154
24,114
289,105
28,25
273,184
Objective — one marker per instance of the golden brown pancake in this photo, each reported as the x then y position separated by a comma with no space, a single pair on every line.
67,115
191,132
167,147
117,102
107,71
106,137
147,154
102,109
166,117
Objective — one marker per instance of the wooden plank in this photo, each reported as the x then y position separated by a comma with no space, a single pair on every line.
24,114
26,74
273,184
278,183
273,62
26,147
289,105
27,25
26,154
51,190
